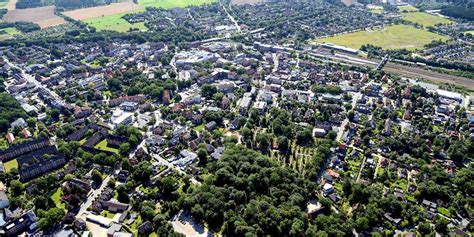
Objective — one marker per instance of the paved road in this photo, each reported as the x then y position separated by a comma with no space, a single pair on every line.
355,97
167,163
231,18
93,196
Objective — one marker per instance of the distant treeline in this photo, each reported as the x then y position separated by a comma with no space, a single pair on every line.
462,12
62,4
22,26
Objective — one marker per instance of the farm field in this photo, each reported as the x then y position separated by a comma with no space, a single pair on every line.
113,22
390,37
103,11
175,3
43,16
425,19
8,33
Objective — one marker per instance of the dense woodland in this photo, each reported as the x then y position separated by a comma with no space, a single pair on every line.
247,193
10,110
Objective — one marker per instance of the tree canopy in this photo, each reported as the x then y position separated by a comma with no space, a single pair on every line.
247,193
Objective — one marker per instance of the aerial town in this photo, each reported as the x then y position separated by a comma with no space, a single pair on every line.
237,118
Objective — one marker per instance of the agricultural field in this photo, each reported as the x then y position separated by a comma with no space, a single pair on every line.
113,22
175,3
108,17
407,8
43,16
391,37
103,11
425,19
8,33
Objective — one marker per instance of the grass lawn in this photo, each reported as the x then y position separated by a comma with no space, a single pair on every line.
56,197
378,11
113,22
425,19
408,8
402,184
173,3
135,224
8,33
199,128
444,211
469,32
391,37
107,214
410,198
10,165
103,146
3,4
81,142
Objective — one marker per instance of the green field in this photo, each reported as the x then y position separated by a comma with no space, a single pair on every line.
8,33
56,197
10,165
113,22
103,146
408,8
391,37
377,11
425,19
173,3
469,32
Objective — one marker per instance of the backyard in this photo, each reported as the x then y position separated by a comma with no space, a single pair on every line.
104,146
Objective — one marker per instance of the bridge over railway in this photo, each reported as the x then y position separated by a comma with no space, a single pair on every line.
382,63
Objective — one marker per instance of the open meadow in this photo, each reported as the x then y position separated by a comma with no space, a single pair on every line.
108,17
114,22
390,37
425,19
8,33
173,3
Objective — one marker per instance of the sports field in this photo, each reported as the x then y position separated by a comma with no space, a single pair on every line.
173,3
113,22
425,19
391,37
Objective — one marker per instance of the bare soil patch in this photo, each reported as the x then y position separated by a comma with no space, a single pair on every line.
11,5
43,16
100,11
